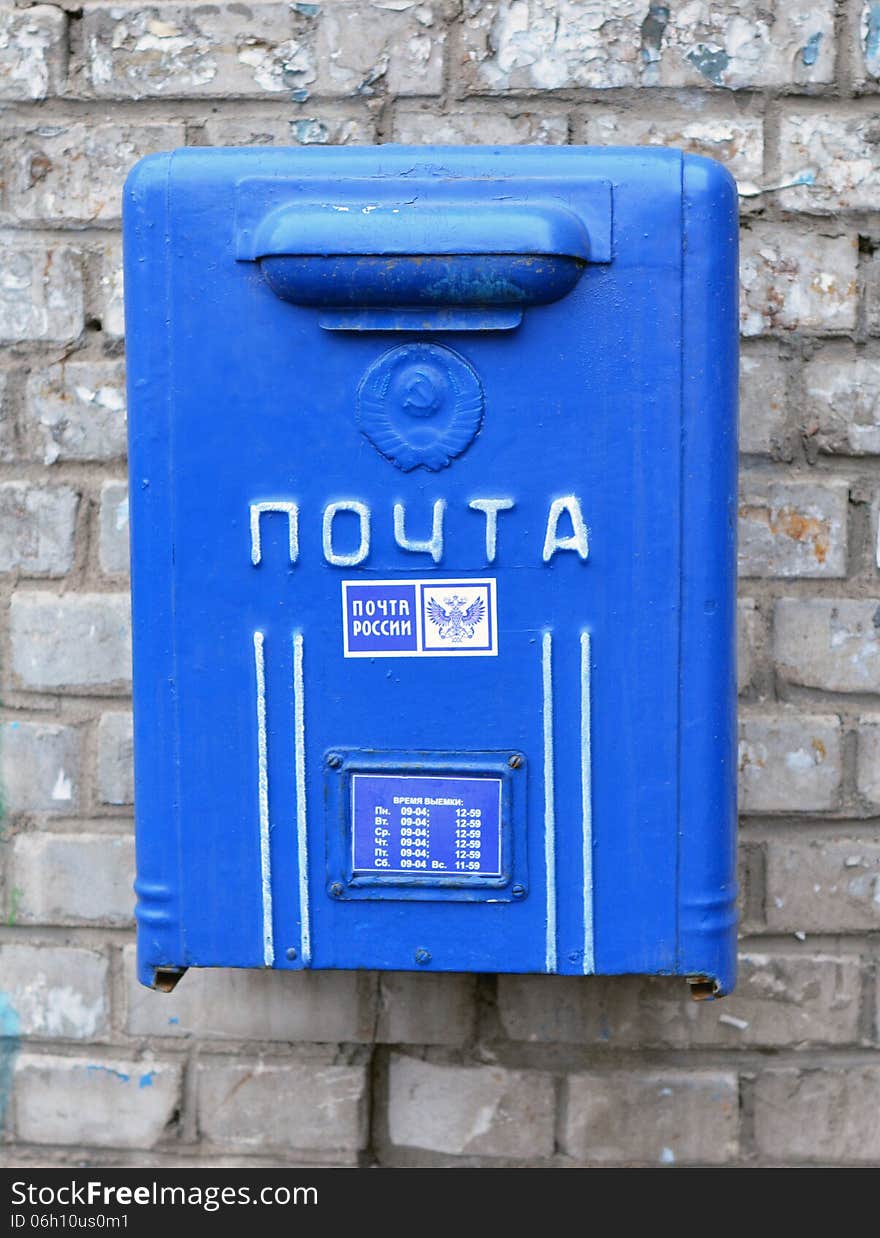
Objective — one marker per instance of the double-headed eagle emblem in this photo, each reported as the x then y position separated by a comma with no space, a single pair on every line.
456,624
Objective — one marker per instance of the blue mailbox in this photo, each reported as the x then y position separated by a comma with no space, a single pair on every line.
432,462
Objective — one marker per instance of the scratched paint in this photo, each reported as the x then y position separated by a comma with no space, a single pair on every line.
15,895
711,62
96,1068
10,1043
871,39
810,52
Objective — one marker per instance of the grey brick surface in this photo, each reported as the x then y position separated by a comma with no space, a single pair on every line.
813,1115
76,411
781,1000
115,759
792,529
737,142
475,1110
293,1106
233,1004
94,1100
559,44
868,774
789,762
33,51
829,643
422,1009
842,408
71,640
37,528
331,50
41,765
652,1117
41,292
823,885
417,124
762,400
56,991
110,290
7,421
834,156
797,280
748,637
251,1068
113,548
312,127
72,879
73,172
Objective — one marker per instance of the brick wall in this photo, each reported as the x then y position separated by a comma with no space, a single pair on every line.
411,1069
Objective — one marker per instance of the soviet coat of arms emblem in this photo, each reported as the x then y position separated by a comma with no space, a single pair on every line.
420,404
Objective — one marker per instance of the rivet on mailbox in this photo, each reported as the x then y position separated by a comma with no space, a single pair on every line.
433,469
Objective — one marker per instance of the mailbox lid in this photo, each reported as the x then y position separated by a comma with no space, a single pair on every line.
612,674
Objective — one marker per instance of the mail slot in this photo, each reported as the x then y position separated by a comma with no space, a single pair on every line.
432,463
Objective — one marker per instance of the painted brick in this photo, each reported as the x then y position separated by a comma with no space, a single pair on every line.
466,126
829,643
789,762
749,636
309,1105
37,526
823,885
178,50
73,878
835,152
99,1101
76,411
310,128
737,142
115,756
559,44
781,1000
869,759
792,528
33,51
841,411
470,1110
75,172
762,402
818,1115
662,1117
319,1006
869,40
792,279
71,640
41,292
56,991
113,528
41,765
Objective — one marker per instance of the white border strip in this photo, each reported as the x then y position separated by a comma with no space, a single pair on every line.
549,802
302,838
263,789
587,801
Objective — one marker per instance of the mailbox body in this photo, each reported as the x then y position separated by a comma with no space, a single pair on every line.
432,458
